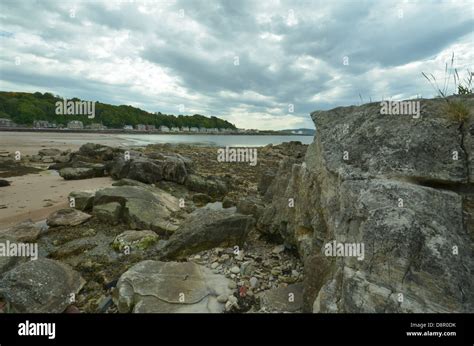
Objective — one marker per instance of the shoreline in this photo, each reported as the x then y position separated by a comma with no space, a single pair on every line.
128,132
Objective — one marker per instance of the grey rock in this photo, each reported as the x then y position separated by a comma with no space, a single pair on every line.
108,212
49,152
206,229
4,183
135,240
399,193
201,199
170,287
92,171
283,299
39,286
82,200
141,208
26,231
214,187
67,217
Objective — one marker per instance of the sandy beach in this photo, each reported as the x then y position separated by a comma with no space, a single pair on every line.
35,196
28,143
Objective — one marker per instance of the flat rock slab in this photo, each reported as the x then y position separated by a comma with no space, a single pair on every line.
39,286
67,217
26,231
206,229
283,299
153,286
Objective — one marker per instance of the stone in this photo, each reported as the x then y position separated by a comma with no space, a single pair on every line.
49,152
141,208
282,299
227,203
250,205
150,170
235,270
83,200
201,199
4,183
47,159
108,212
214,265
170,287
67,217
222,298
278,249
71,173
205,229
213,187
388,183
39,286
24,232
253,282
135,240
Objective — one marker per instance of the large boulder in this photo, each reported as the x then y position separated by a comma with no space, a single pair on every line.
82,200
148,170
390,186
206,229
39,286
138,207
170,287
67,217
90,171
134,240
26,231
213,187
49,152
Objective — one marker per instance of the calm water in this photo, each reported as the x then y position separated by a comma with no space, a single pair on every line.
217,140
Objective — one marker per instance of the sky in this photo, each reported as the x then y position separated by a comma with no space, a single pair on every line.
261,64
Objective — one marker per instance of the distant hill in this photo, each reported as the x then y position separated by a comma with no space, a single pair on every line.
24,108
302,131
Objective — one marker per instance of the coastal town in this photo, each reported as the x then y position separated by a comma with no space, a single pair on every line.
77,125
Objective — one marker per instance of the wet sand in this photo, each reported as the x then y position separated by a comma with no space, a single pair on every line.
35,196
28,143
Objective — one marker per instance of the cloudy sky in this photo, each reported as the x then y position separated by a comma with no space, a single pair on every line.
260,64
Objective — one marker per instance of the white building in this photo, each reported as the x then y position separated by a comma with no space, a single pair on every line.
175,129
164,128
75,125
194,129
185,129
128,127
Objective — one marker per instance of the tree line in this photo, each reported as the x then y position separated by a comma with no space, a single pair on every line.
24,108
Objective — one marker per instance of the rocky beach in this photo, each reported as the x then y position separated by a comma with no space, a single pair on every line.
171,228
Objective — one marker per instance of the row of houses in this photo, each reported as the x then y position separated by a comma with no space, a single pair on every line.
78,125
184,129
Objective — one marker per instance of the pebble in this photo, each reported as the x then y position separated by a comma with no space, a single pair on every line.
222,298
232,285
278,249
253,281
214,265
232,299
235,270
